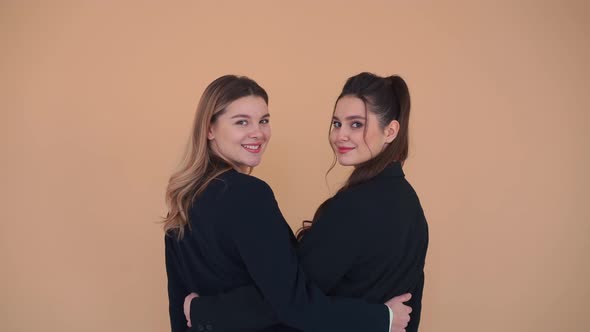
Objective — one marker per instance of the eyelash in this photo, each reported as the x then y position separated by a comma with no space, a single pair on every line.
355,125
245,122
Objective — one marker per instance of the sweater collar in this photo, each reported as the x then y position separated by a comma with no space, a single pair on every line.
394,169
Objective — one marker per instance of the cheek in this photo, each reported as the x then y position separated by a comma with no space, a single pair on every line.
226,133
229,138
332,137
358,137
267,132
375,137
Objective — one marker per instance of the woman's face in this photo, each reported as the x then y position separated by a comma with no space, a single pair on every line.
347,136
241,133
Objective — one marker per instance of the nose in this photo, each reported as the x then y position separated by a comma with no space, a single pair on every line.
256,133
342,135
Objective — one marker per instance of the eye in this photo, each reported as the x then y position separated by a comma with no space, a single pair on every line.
264,121
356,124
242,122
336,124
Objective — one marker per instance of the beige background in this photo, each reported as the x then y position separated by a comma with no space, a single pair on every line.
97,98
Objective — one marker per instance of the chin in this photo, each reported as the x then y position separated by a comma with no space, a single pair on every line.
252,163
345,163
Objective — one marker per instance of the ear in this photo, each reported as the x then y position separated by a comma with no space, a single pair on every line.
210,135
391,131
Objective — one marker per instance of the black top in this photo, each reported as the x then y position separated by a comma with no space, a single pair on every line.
370,243
238,237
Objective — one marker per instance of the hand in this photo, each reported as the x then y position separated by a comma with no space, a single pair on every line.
187,307
401,312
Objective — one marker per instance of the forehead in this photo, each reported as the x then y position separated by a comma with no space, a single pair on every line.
348,105
249,105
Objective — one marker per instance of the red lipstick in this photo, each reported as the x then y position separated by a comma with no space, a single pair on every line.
343,150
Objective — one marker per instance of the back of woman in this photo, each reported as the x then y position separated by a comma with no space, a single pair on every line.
380,227
370,240
206,256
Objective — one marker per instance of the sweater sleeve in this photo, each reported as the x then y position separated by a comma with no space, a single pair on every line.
176,290
240,309
262,238
332,246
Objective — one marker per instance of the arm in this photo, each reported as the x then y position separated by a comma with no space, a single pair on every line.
240,309
322,256
263,240
334,244
176,290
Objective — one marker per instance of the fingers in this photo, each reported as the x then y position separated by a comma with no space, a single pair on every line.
187,307
401,312
402,298
401,321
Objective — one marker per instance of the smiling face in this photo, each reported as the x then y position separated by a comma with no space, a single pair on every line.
356,135
241,133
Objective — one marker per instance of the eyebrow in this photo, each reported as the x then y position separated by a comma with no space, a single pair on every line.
352,117
267,115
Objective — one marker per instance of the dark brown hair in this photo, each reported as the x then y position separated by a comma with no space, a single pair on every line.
389,99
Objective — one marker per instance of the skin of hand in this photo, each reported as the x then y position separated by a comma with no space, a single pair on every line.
187,307
401,312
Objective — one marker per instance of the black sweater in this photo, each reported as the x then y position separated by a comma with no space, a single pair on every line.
370,242
238,237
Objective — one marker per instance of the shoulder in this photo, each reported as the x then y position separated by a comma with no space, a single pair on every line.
394,189
245,186
249,207
406,190
376,199
243,195
354,198
231,189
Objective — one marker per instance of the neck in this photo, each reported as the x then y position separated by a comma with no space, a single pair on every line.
243,169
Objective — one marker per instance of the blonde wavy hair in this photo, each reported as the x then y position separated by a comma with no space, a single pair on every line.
200,165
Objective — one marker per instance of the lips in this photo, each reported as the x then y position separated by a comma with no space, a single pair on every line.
342,149
252,148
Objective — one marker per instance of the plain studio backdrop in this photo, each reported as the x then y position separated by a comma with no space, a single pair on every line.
97,100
